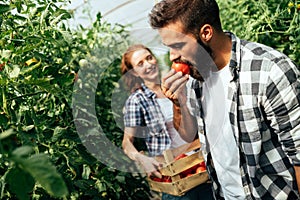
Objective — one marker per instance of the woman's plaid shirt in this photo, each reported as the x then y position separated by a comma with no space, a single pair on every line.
265,118
143,112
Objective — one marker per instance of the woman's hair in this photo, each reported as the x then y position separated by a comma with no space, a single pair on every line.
132,81
193,14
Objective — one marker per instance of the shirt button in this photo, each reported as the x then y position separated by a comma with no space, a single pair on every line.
246,190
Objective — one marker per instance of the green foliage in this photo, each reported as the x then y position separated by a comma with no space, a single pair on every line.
41,60
36,167
271,22
56,83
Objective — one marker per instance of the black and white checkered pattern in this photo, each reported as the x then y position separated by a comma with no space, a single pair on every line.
265,118
143,112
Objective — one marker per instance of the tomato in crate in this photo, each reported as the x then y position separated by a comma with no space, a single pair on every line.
180,170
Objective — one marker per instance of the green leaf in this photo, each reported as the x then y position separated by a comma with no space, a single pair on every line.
29,69
86,172
5,54
19,6
121,179
100,186
42,170
44,14
57,133
57,19
15,72
20,183
27,128
4,8
20,152
45,173
6,134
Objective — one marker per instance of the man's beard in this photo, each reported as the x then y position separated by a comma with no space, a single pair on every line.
205,47
195,74
193,70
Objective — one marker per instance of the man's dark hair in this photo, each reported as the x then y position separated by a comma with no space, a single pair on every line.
193,14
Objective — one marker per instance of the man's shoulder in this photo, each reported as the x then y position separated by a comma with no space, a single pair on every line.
254,51
259,51
270,63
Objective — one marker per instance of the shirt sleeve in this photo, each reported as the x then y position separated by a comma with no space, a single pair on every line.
283,107
133,115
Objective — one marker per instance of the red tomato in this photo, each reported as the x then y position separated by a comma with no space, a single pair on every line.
167,179
154,178
202,164
186,172
200,169
191,170
2,66
181,67
180,156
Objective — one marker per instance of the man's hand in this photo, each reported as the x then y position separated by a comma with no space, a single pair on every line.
173,86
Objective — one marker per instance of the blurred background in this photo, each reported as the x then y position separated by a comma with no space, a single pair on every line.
132,13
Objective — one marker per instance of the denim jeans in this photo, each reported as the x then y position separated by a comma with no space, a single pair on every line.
200,192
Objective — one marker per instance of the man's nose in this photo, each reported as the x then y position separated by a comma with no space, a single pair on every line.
147,63
174,55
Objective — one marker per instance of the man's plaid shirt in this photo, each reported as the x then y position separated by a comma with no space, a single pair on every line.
265,118
143,112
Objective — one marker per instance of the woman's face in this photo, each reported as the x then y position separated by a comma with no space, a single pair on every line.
145,65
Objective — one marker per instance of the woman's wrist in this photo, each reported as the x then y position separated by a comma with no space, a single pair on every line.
134,156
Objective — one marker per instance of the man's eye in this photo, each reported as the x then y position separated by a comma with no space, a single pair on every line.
177,46
140,64
149,57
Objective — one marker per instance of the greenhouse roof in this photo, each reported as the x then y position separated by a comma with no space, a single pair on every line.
133,13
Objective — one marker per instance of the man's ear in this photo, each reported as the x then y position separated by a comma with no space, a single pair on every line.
206,33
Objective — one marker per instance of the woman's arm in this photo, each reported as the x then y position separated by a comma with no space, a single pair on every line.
127,144
150,165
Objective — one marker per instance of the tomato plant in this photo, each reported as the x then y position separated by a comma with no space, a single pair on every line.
270,22
39,143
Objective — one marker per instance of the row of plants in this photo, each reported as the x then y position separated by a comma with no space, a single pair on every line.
43,65
271,22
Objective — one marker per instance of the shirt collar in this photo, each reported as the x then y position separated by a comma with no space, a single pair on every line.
234,63
148,93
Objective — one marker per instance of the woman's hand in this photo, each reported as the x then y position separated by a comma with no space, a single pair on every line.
149,164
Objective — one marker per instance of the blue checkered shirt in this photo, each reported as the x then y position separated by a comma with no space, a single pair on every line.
143,112
265,119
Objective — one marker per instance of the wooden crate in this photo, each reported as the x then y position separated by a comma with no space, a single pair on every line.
178,186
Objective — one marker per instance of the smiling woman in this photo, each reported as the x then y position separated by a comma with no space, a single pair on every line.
148,115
